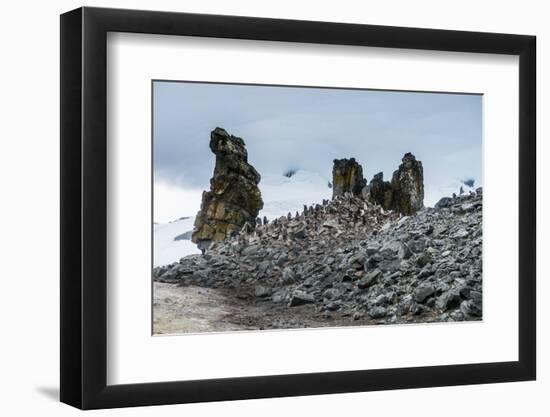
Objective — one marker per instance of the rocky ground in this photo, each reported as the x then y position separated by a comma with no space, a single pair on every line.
346,262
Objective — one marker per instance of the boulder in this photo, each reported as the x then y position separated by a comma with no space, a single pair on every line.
370,279
472,308
444,202
423,292
448,300
299,298
377,312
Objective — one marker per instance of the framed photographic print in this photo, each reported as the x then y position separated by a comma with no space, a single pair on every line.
257,207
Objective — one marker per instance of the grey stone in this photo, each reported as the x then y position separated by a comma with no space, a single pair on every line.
377,312
460,234
471,308
423,292
395,249
288,275
373,248
424,259
370,279
300,297
444,202
448,300
262,291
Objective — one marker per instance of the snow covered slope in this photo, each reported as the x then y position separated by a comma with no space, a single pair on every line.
283,194
166,248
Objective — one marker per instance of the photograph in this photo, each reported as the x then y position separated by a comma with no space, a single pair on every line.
288,207
267,206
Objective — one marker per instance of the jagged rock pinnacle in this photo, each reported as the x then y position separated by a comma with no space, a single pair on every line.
405,192
347,177
234,199
408,186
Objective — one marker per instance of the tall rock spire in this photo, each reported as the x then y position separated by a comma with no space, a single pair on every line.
405,192
234,198
408,186
347,177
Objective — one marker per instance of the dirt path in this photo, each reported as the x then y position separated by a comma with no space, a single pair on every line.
195,309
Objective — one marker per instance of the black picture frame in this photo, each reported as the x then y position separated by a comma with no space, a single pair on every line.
84,207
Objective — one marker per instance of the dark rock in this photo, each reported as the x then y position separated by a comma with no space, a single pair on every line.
407,185
417,309
405,192
379,191
448,300
251,250
377,312
358,260
373,248
398,249
471,308
444,202
476,296
423,292
299,298
465,291
347,177
370,279
234,199
263,267
381,300
333,306
424,273
424,259
358,315
298,232
331,294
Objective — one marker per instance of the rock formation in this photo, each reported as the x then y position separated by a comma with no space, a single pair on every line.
234,199
407,186
405,192
347,177
379,191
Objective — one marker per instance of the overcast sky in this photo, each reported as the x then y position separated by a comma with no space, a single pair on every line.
306,128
